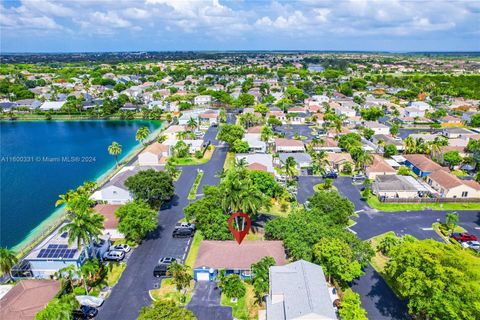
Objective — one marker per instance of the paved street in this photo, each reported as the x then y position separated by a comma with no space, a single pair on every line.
131,292
205,303
291,129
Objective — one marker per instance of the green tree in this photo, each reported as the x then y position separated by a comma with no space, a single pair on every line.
389,150
337,259
387,243
245,100
181,149
453,158
8,260
261,108
475,120
234,287
181,277
351,308
266,183
266,133
290,167
115,149
230,133
240,146
404,171
165,310
451,221
142,134
430,274
394,130
154,187
273,121
368,133
136,219
372,114
260,280
58,308
192,123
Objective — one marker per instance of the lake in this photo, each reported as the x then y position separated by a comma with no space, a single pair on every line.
40,160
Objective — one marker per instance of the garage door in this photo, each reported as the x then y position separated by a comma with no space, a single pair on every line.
203,276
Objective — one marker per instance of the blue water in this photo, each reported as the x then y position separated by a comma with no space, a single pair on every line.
30,184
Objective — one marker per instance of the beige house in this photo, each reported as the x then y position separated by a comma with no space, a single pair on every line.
154,154
289,145
449,186
337,161
171,132
379,167
394,186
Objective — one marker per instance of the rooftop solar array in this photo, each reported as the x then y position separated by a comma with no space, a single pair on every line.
56,251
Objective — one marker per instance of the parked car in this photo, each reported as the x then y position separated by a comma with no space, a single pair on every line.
90,301
475,245
185,225
330,175
85,312
462,237
120,247
183,233
161,268
114,255
358,177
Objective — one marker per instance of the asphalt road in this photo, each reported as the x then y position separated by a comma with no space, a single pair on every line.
131,292
301,129
205,302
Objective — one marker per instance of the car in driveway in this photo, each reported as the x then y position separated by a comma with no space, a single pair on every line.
330,175
161,268
358,177
120,247
475,245
114,255
183,233
462,237
185,225
90,301
85,312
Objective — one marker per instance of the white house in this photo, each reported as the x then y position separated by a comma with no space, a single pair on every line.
288,145
202,100
321,98
263,159
377,127
52,105
114,191
153,154
420,105
413,112
346,111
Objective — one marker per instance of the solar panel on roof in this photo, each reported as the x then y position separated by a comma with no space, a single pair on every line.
41,253
64,246
52,246
71,253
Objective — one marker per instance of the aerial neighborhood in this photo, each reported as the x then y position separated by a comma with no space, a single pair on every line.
357,171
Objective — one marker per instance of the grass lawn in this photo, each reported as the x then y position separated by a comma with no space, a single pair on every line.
245,308
192,195
459,173
115,273
319,187
168,291
193,161
192,254
277,210
351,222
229,161
374,203
437,227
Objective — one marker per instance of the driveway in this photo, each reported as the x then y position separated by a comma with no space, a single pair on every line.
377,297
205,303
137,279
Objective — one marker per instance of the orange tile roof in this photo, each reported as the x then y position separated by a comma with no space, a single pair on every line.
108,211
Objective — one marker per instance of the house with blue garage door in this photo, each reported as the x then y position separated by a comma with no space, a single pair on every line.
234,258
421,165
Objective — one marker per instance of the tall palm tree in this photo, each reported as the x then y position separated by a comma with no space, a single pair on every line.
290,166
67,199
192,123
364,159
181,135
142,134
115,149
8,259
320,160
410,145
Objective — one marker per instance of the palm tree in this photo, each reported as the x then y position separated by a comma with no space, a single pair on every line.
364,159
181,277
8,259
192,123
115,149
181,135
410,145
320,160
66,199
290,166
451,221
142,134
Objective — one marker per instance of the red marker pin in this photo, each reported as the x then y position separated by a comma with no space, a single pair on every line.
239,234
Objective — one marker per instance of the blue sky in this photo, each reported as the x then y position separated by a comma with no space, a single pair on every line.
157,25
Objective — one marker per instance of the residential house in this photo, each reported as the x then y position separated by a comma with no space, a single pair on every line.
455,133
209,118
280,115
329,145
154,154
395,186
421,165
114,191
202,100
321,98
255,143
438,154
345,111
52,105
27,298
382,140
288,145
379,167
299,290
258,161
28,103
377,127
420,105
110,222
413,112
233,258
450,121
449,186
337,161
171,132
302,159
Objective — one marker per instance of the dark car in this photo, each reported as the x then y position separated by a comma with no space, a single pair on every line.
330,175
85,312
183,233
160,270
462,237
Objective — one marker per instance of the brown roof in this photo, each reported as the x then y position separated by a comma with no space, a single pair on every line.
471,183
257,166
108,211
339,157
288,142
256,129
156,148
27,298
445,179
231,255
423,163
380,165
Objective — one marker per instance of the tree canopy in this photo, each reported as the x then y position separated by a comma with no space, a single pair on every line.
152,186
167,310
136,219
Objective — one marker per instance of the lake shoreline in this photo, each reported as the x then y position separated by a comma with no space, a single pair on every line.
54,219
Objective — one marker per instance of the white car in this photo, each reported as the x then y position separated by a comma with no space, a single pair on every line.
114,255
120,247
90,301
475,245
